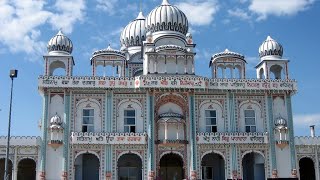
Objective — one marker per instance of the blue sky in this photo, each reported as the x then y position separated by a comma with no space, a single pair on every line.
239,25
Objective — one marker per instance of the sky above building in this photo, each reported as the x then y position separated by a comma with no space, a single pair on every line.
239,25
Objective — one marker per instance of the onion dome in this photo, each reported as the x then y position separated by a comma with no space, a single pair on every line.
60,43
227,53
270,48
134,33
55,122
280,122
167,17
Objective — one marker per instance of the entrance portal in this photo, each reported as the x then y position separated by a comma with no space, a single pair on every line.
26,170
87,167
2,167
212,167
253,166
171,167
306,169
130,167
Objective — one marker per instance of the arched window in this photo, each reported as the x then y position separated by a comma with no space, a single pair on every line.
250,120
129,120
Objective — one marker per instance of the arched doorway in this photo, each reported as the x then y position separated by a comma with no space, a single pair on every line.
26,170
307,171
87,167
2,167
130,167
212,167
171,167
253,166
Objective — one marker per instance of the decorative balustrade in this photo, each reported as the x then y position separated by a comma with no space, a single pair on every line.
180,82
108,138
232,138
21,141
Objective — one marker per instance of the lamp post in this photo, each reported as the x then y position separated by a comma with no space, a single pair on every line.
13,74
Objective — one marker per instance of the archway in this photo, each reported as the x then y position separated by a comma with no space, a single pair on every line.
26,170
307,171
130,167
2,167
212,167
87,167
171,167
253,166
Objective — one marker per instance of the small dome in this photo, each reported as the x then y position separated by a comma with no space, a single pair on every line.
227,53
189,35
280,122
270,48
55,120
134,33
60,43
109,50
167,17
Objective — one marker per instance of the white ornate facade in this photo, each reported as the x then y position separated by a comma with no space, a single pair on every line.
156,119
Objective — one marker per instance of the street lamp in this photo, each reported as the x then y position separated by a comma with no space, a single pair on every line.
13,74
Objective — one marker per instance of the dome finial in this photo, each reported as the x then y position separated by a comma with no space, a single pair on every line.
165,2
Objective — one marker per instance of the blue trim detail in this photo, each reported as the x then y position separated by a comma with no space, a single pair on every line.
150,105
108,128
44,133
193,149
271,134
291,133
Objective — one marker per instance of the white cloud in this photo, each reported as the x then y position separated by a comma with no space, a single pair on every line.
239,13
21,20
107,6
306,119
264,8
199,12
69,12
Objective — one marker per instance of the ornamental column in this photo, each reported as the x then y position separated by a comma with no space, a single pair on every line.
66,119
193,147
44,125
108,129
150,119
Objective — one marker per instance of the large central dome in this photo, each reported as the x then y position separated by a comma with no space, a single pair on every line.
167,17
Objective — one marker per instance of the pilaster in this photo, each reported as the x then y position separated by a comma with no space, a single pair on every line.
66,119
44,125
193,149
271,134
108,128
291,135
150,111
231,106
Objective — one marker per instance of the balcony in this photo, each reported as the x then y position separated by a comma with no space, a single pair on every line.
232,138
171,142
108,138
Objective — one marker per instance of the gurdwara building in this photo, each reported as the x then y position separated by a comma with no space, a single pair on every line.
155,119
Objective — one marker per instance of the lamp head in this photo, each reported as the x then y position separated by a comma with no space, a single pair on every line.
13,73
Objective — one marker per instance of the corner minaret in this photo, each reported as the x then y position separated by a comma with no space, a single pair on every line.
59,55
272,65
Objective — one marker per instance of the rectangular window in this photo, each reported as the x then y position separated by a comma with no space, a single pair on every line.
130,121
87,120
250,120
211,120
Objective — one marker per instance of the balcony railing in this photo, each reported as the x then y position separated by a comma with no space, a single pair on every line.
108,138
